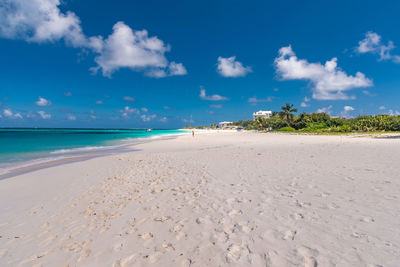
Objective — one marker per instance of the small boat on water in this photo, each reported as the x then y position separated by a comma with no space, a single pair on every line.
149,130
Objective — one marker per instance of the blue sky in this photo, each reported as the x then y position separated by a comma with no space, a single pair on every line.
166,64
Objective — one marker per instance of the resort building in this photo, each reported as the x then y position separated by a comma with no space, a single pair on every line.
224,124
265,114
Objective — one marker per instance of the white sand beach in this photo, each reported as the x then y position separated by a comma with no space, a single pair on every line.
218,199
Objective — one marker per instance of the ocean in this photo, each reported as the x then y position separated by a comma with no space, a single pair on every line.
25,147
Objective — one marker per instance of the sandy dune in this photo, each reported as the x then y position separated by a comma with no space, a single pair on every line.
219,199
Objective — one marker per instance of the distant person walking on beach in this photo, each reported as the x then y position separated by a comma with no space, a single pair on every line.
192,133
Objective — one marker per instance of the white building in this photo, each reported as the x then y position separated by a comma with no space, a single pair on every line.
224,124
265,114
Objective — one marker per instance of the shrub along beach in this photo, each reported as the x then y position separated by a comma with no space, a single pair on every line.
286,121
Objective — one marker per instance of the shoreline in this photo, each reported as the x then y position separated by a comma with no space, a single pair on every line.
219,199
21,167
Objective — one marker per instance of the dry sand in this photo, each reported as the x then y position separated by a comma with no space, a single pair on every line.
219,199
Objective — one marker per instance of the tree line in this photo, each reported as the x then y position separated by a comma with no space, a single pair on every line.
286,120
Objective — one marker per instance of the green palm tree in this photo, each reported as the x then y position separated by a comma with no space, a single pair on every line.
287,113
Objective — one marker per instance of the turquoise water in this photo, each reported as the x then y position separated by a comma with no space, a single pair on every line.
19,145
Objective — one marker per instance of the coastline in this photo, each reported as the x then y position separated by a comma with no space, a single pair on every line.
220,198
65,156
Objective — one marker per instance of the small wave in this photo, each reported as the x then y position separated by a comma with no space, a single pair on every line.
80,149
18,165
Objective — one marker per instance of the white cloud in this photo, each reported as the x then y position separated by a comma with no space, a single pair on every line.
172,70
305,101
30,114
188,120
164,119
229,67
176,69
92,115
327,110
255,100
146,118
382,107
44,115
42,21
348,108
43,102
393,112
328,81
372,44
71,117
9,114
99,102
127,110
129,98
346,112
368,93
216,106
144,109
67,94
211,97
135,50
18,116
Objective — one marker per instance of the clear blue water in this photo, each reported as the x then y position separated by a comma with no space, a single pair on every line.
20,145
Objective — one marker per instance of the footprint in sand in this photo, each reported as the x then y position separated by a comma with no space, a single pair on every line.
367,219
162,219
146,236
235,212
309,256
289,235
297,216
180,235
84,254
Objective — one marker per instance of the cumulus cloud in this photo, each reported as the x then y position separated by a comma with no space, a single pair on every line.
368,93
305,104
216,106
127,111
229,67
327,110
328,81
204,96
382,107
346,112
43,102
190,120
126,48
176,69
372,43
393,112
92,115
144,109
42,21
255,100
168,108
44,115
9,114
164,119
99,102
147,118
67,94
129,98
71,117
348,108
